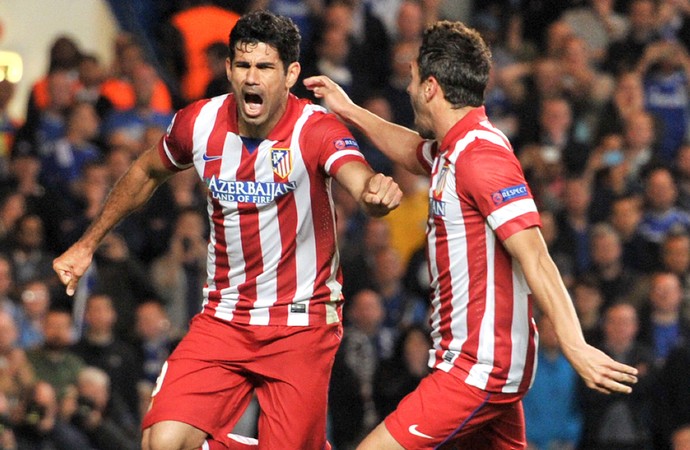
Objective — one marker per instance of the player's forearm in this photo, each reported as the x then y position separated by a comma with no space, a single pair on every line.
398,143
553,300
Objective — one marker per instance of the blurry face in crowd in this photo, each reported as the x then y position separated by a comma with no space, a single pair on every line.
660,190
666,293
261,86
626,214
57,330
676,254
620,325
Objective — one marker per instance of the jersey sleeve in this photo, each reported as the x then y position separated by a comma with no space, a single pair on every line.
426,152
175,147
334,142
491,178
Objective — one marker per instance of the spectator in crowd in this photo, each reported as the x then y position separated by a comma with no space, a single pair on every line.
614,279
625,217
12,207
616,421
48,204
49,123
556,128
119,275
573,222
107,424
27,250
64,54
35,300
682,170
118,92
552,415
91,77
397,376
639,146
7,303
357,260
155,340
598,23
588,302
675,258
402,308
216,54
665,69
410,23
627,99
64,158
366,341
100,347
662,327
185,36
38,424
53,361
623,55
16,374
8,126
395,91
661,215
179,274
127,126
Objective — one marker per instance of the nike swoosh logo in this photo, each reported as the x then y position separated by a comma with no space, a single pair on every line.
413,430
209,158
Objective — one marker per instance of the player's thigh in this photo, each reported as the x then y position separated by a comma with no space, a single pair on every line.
505,430
293,394
443,409
206,395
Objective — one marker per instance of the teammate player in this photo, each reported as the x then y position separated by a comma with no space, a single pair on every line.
487,259
270,321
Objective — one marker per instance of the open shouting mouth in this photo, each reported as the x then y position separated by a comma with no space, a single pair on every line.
253,104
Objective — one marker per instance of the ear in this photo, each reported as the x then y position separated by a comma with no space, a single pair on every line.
431,88
293,71
228,67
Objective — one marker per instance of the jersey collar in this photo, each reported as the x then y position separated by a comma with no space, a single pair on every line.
467,123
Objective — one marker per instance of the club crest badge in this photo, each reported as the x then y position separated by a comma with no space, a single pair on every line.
441,181
281,159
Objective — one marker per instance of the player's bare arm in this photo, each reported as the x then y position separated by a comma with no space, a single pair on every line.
129,193
598,370
396,142
377,194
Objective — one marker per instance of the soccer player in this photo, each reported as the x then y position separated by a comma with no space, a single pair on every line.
271,316
488,260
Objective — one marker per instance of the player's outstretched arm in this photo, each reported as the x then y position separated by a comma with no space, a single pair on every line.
377,193
598,370
398,143
130,192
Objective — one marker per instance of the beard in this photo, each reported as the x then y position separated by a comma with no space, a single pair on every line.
424,132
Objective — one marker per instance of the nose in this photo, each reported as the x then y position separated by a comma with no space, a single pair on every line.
252,76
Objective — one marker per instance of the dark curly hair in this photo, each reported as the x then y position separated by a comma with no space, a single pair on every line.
276,31
459,59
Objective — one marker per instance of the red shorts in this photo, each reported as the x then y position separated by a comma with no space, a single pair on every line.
445,412
208,381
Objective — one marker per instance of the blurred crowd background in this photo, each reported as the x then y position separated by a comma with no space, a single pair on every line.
594,95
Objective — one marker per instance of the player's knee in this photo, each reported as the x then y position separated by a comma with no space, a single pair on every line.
169,438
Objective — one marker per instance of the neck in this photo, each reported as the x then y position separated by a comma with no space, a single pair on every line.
445,118
665,317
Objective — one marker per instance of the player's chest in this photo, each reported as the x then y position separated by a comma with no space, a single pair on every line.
247,171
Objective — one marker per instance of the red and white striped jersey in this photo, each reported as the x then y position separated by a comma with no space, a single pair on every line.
482,324
272,253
